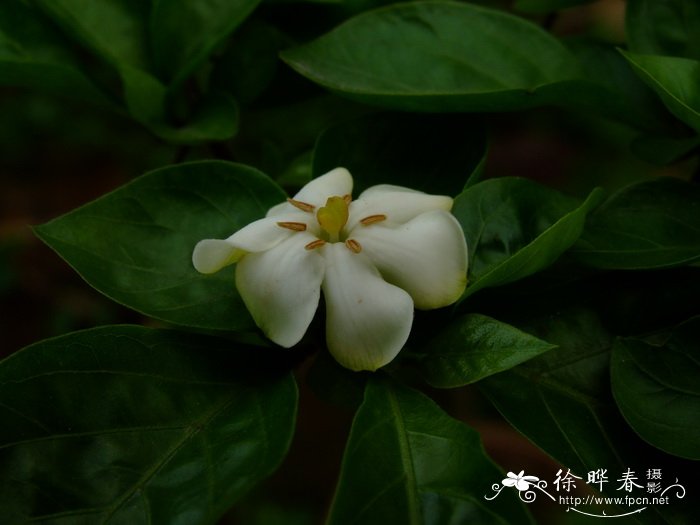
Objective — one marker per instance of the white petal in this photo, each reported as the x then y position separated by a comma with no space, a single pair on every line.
508,482
398,204
280,209
522,485
337,182
211,255
281,288
427,257
368,320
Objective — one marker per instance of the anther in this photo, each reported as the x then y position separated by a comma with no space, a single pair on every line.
353,245
315,244
303,206
294,226
372,219
347,198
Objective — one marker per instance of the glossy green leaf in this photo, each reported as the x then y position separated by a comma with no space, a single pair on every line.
652,224
117,30
184,33
131,425
250,61
664,150
664,27
656,384
407,461
33,54
473,347
515,227
135,244
675,80
611,88
435,153
562,402
545,6
437,56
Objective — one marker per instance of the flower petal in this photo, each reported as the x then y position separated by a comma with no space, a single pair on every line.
397,203
368,320
522,485
427,256
281,288
211,255
508,482
337,182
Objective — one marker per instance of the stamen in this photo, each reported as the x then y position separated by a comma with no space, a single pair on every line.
315,244
372,219
294,226
347,198
353,245
303,206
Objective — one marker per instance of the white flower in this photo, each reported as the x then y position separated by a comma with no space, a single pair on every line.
519,481
375,258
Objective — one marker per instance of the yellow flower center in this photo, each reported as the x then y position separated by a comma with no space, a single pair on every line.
333,216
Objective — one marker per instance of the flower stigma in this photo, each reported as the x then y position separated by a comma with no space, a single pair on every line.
333,216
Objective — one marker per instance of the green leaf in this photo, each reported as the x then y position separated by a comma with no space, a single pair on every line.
664,27
184,33
664,150
656,385
407,461
250,61
515,227
675,80
562,402
652,224
114,29
33,54
612,88
471,348
435,153
437,56
132,425
135,244
545,6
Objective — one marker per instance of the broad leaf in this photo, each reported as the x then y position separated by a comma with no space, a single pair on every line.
656,384
116,30
435,153
562,402
407,461
652,224
184,33
675,80
664,27
33,54
471,348
135,244
664,150
515,227
545,6
131,425
612,88
437,56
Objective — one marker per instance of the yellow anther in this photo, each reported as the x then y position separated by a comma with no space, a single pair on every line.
372,219
333,216
353,245
315,244
347,198
303,206
294,226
